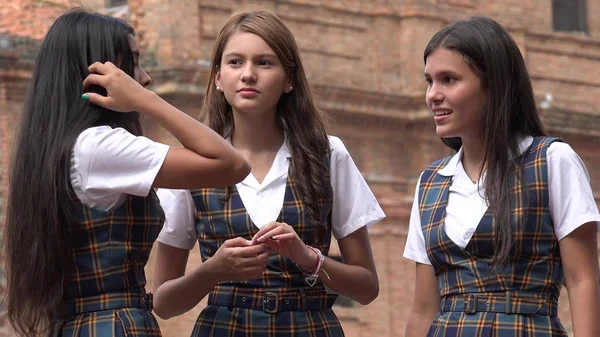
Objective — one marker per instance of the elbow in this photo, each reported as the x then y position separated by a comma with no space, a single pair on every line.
162,312
369,296
241,170
237,169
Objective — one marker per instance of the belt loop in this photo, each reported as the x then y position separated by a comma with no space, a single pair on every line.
230,299
508,308
302,299
148,301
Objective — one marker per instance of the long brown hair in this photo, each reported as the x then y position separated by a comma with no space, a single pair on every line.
297,114
510,113
41,209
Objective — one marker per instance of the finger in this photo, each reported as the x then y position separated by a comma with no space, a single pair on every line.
247,252
237,242
100,68
276,231
95,79
96,99
264,256
272,244
264,230
283,237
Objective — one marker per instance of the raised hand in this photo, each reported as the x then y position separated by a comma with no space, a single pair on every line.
240,260
282,238
125,94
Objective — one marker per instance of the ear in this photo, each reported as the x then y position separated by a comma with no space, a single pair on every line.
287,85
218,79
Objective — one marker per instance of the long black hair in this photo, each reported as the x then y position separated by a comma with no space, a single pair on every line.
510,112
41,200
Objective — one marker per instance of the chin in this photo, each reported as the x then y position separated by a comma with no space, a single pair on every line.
444,132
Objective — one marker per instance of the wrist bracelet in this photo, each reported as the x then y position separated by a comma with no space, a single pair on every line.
312,277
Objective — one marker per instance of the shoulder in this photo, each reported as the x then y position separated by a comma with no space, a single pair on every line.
336,146
92,139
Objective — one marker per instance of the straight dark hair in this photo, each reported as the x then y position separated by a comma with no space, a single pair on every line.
510,113
297,113
41,200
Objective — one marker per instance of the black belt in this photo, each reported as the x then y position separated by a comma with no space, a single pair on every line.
271,300
108,301
507,303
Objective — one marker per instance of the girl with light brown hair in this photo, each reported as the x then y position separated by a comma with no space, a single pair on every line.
303,188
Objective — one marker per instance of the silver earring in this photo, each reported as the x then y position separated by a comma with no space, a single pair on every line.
291,88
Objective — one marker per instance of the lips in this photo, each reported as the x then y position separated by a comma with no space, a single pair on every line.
442,112
248,90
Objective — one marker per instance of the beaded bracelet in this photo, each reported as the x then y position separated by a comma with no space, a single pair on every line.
311,277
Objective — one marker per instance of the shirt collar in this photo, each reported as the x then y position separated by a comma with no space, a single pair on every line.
450,168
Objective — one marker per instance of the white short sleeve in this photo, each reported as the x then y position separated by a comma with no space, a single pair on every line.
354,205
107,164
415,242
572,202
179,230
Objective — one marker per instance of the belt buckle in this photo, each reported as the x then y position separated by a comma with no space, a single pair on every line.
267,297
470,304
147,301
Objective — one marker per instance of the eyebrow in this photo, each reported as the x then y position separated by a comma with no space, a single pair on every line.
235,54
442,72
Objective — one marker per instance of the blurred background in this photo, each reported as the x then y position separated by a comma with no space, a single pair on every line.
364,60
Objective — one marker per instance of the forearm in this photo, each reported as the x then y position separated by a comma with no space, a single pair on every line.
584,300
192,134
418,325
180,295
355,282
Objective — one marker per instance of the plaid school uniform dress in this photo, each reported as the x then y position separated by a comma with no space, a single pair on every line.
105,289
279,303
522,298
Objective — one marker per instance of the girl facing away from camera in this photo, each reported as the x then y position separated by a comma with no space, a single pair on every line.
498,228
303,188
82,215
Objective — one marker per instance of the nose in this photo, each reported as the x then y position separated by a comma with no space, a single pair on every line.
143,77
249,75
434,94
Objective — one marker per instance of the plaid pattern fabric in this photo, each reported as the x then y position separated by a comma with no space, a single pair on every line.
218,221
521,299
125,322
105,289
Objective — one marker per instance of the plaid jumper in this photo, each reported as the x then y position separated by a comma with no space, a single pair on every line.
277,304
104,292
521,299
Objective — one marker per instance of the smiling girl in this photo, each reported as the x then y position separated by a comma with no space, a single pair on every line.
499,227
303,188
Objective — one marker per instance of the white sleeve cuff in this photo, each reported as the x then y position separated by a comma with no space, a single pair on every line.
175,242
416,256
368,219
153,168
562,232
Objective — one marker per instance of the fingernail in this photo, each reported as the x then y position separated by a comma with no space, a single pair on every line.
85,97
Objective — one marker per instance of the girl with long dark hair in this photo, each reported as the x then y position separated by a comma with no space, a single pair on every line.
499,227
303,188
82,216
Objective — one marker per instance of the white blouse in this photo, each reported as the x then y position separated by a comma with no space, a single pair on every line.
572,203
354,205
108,164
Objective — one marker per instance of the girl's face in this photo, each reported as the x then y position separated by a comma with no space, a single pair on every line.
139,73
454,94
250,75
